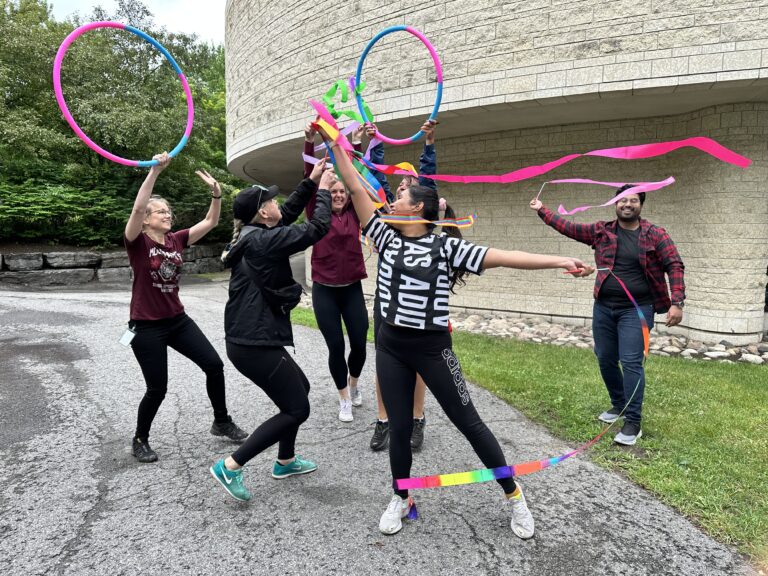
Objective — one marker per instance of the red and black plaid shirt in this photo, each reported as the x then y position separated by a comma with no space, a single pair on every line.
658,254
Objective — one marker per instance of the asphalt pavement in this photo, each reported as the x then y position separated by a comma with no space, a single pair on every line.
73,500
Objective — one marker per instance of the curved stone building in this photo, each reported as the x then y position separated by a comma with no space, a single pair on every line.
526,83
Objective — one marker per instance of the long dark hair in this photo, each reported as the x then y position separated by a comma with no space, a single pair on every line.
431,211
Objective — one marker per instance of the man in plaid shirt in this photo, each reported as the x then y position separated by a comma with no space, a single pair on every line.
638,253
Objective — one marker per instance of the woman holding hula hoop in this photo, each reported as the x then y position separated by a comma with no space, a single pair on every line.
417,270
157,315
337,292
257,319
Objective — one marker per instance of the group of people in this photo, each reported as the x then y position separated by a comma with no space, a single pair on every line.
417,271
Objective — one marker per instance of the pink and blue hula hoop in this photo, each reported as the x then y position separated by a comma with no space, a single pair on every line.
438,71
71,121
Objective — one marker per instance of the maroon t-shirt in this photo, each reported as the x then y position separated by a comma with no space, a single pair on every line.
156,271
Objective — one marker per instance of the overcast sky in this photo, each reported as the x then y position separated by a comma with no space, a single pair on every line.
202,17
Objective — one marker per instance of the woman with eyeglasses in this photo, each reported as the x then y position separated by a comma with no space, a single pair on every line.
157,315
257,319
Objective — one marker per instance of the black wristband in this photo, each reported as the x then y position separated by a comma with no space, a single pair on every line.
216,197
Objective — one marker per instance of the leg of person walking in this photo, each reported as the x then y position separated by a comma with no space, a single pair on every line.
631,346
326,304
606,335
355,317
188,340
150,349
275,372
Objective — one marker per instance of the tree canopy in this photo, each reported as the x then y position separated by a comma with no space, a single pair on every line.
127,98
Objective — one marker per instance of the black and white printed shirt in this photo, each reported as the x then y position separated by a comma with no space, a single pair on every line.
413,282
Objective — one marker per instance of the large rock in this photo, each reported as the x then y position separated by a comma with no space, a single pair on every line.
716,354
209,251
114,275
71,277
114,259
190,267
23,262
752,359
72,259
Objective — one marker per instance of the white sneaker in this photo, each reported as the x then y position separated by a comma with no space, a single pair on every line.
522,519
345,410
356,396
392,520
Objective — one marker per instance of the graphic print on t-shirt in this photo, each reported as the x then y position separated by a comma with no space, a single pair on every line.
165,268
414,274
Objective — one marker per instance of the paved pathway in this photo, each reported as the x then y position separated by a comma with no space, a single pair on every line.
73,501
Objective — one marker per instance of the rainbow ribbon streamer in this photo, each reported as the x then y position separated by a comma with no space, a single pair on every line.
524,468
465,222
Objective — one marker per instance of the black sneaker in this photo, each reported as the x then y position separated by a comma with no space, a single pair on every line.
380,438
629,434
229,429
417,436
143,451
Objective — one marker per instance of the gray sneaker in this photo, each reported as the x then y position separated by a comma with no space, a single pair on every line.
522,520
609,416
629,434
355,396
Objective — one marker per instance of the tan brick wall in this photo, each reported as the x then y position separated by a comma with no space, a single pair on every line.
500,55
716,214
494,52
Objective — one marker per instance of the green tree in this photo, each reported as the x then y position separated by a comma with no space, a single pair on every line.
127,98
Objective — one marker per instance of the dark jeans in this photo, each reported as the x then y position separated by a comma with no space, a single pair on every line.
273,370
332,305
150,346
619,339
403,352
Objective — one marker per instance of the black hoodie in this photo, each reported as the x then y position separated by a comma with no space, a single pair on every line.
248,319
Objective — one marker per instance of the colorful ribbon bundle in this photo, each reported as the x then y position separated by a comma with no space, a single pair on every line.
524,468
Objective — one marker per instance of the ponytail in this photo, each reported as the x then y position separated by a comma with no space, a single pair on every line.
238,227
456,276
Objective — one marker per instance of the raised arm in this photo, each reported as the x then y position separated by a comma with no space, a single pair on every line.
287,240
496,258
139,211
584,233
428,159
298,200
360,200
377,157
211,219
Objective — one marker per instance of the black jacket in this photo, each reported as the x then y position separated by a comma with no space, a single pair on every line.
248,319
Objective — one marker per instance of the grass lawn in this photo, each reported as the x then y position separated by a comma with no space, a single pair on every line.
704,449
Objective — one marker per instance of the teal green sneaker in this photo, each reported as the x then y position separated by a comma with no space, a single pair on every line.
298,466
232,481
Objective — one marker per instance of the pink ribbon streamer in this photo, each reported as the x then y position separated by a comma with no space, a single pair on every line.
637,152
637,187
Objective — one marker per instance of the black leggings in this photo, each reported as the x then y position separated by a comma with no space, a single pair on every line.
150,346
332,304
273,370
400,354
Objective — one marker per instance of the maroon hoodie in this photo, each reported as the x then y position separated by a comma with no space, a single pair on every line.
337,259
